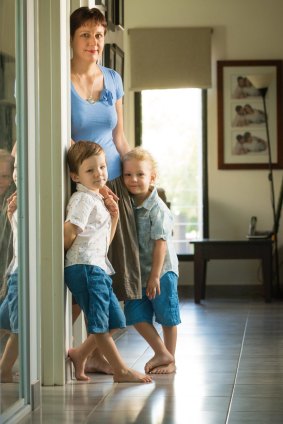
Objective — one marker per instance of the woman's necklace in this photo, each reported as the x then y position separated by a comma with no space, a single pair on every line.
90,98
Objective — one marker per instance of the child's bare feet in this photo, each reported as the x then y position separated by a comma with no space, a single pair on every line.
157,361
131,376
79,365
164,369
97,363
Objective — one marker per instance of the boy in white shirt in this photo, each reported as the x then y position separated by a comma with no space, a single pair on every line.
88,231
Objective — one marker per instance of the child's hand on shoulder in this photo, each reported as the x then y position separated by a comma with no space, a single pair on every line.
153,288
106,191
112,206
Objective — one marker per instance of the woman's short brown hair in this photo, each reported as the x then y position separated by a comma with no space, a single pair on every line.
80,151
83,14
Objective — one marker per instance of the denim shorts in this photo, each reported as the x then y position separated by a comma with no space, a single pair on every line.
165,307
92,289
9,319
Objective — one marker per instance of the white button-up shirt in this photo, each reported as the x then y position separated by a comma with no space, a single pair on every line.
13,266
87,211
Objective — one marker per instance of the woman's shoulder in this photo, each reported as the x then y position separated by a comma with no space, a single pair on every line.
109,71
111,74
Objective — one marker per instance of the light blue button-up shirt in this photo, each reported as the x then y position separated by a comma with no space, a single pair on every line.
154,222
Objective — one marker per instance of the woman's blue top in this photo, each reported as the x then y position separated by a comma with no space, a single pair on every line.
95,122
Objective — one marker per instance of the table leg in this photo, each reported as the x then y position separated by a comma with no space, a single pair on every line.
203,278
267,275
199,276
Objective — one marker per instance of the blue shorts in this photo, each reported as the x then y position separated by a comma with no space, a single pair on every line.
92,289
165,306
9,319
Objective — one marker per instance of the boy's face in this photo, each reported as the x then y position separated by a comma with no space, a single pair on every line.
5,177
138,177
92,173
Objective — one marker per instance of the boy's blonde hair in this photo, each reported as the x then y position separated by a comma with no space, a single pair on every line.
141,154
80,151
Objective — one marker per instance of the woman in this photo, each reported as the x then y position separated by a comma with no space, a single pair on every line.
97,115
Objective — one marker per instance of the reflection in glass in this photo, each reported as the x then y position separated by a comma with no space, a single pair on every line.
9,372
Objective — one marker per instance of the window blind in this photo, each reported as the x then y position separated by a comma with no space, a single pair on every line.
163,58
7,27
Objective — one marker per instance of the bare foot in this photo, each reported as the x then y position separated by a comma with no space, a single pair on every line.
97,363
131,376
79,365
164,369
157,361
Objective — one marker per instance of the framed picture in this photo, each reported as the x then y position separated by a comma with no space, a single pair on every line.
114,58
115,14
110,14
243,125
119,61
109,56
119,13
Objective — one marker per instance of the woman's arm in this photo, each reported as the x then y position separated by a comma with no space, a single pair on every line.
114,222
119,137
158,256
70,234
113,209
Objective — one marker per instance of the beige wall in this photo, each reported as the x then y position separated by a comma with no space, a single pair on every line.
241,30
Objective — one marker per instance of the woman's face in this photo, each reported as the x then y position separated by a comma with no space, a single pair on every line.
88,42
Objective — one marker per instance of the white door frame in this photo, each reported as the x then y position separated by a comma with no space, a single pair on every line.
54,137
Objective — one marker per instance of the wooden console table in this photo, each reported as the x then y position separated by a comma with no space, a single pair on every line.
207,249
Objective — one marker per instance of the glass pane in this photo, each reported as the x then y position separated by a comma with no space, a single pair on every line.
9,362
172,131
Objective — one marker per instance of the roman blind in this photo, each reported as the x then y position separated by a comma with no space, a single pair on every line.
7,28
163,58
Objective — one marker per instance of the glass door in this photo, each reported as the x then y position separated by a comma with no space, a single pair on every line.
13,288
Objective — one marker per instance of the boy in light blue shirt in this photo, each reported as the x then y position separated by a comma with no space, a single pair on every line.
158,261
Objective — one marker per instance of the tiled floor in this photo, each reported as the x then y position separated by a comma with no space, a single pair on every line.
230,370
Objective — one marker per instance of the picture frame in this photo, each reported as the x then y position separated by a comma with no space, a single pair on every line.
109,56
110,14
119,13
242,123
115,14
119,61
114,58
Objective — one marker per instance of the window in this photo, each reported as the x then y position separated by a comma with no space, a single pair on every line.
170,126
